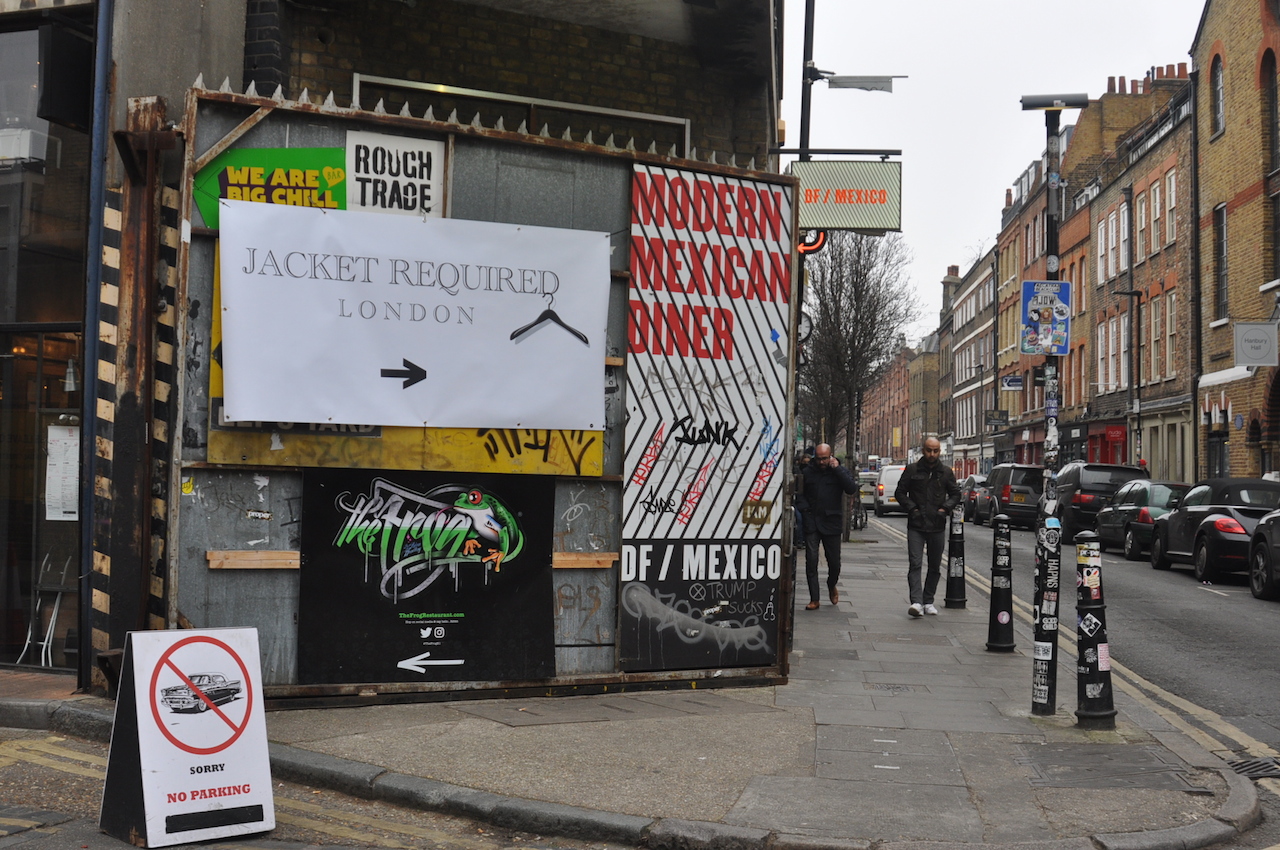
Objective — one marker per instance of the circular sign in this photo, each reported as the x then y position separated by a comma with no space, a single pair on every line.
1003,617
204,701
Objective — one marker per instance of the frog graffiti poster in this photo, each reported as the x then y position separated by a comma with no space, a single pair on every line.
425,577
1046,317
707,371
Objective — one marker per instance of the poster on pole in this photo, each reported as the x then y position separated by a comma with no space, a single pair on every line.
188,759
707,368
1046,317
425,577
357,318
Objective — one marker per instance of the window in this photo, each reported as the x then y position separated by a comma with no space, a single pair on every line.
1124,236
1275,237
1026,240
1156,311
1102,251
1144,324
1141,247
1124,351
1270,111
1102,357
1220,262
1218,96
1111,246
1112,356
1157,219
1171,334
1171,198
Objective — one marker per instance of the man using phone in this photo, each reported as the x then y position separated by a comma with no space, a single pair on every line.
824,482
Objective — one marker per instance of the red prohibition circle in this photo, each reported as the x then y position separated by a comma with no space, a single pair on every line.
155,706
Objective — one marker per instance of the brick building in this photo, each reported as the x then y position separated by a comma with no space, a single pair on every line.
1237,227
972,330
923,395
886,409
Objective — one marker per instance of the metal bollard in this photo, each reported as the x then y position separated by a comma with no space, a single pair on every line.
1000,624
1044,656
955,561
1093,671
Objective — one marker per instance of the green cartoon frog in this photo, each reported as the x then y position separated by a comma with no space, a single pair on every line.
495,530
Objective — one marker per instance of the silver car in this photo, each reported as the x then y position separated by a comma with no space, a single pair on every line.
886,484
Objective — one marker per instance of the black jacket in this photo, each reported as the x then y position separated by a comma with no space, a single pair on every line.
821,505
922,490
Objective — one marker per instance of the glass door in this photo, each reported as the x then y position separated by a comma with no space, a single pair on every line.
40,383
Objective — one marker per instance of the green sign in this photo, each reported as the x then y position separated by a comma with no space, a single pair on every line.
302,177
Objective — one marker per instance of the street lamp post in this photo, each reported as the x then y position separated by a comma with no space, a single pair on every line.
1044,681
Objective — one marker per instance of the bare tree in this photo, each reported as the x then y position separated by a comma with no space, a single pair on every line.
860,300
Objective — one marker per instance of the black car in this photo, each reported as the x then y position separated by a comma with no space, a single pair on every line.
1013,489
1264,555
1212,525
970,491
1129,517
1083,489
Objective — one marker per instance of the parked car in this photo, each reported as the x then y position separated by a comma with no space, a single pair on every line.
886,484
867,488
1264,555
1084,488
215,686
970,491
1129,516
1012,489
1212,525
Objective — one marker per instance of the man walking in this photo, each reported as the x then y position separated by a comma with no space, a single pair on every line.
823,511
928,490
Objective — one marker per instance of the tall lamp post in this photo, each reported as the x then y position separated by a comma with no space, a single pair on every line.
1048,587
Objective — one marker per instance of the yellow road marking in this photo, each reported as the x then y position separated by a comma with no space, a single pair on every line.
389,826
339,831
22,822
44,747
16,753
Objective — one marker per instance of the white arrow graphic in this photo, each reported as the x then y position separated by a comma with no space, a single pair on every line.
420,663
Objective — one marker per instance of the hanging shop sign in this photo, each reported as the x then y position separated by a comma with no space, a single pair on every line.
425,577
1256,344
1046,317
188,759
706,379
395,174
356,318
857,195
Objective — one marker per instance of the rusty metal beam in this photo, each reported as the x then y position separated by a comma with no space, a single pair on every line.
234,136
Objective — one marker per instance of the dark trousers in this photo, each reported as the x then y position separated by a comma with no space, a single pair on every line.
918,542
830,546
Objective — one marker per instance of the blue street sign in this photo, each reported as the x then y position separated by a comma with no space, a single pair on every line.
1046,317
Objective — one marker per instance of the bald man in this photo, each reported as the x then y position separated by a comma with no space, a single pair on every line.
928,490
823,510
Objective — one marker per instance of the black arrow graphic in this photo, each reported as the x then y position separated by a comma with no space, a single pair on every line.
412,373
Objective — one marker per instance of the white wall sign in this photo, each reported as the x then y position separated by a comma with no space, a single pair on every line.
341,317
62,474
395,174
189,759
1256,344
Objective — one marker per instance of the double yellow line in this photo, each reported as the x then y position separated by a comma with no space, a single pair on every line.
1211,731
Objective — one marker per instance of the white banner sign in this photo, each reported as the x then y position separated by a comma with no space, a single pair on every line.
366,319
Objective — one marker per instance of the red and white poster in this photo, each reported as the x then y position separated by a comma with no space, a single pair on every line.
709,318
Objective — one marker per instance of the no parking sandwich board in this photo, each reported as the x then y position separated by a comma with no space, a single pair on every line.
188,758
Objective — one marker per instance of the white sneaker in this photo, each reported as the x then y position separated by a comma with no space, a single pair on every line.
931,609
916,610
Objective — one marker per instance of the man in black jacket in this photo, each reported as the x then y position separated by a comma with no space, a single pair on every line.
823,510
928,490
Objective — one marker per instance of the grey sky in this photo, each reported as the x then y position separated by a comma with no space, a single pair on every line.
957,118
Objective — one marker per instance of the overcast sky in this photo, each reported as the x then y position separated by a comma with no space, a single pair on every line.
957,119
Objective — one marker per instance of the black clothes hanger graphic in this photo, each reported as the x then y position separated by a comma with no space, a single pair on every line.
550,315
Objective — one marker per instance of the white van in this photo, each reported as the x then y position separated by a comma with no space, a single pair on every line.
886,484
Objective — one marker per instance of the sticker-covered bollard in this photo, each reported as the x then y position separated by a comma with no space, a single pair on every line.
1000,626
1044,611
955,560
1093,672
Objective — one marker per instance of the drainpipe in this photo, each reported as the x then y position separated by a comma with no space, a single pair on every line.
98,147
1197,341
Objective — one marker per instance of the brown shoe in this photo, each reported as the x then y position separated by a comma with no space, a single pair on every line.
835,596
812,606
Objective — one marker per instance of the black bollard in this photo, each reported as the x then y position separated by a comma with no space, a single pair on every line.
1044,656
1093,671
1000,624
955,561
